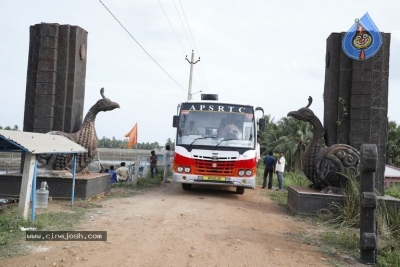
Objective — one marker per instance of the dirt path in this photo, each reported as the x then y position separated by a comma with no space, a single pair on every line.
167,226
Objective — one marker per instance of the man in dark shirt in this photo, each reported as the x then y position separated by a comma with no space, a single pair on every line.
153,163
269,162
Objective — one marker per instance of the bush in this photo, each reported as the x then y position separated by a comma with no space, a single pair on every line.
393,191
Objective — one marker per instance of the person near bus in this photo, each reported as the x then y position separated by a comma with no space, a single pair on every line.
113,174
168,155
122,173
153,163
280,168
269,162
258,150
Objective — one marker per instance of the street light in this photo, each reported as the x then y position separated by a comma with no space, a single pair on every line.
195,93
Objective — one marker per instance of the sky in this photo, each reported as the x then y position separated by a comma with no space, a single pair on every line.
264,53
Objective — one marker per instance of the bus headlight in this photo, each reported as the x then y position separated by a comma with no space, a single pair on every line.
180,169
241,172
248,172
187,169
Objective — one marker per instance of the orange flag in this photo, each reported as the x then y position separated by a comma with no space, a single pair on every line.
132,135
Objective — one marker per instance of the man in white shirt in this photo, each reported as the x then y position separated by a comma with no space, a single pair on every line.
280,168
258,149
168,155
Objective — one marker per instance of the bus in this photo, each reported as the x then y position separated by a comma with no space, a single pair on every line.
216,143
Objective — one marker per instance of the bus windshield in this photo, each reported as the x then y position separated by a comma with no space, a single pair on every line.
211,124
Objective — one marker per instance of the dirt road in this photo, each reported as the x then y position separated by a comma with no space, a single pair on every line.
167,226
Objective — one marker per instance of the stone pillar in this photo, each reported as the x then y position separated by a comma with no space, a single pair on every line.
368,205
55,86
356,99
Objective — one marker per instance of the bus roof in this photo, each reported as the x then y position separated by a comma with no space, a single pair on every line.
217,102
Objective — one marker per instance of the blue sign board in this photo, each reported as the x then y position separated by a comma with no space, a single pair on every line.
363,40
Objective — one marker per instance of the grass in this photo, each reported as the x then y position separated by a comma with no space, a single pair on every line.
289,178
344,240
348,213
393,191
11,235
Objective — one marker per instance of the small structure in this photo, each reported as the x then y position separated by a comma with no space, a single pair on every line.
392,175
33,144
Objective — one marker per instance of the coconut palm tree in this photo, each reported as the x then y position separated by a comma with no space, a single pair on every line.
292,138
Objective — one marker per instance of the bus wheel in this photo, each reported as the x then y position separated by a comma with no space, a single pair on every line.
240,190
186,186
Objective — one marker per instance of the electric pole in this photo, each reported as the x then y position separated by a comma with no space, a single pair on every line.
191,74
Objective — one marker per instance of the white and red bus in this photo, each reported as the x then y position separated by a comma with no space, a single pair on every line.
216,143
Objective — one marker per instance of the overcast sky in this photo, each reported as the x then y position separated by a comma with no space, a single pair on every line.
265,53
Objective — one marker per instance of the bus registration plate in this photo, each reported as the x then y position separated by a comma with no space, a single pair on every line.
213,178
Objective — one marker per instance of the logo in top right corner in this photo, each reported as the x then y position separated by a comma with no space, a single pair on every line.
363,40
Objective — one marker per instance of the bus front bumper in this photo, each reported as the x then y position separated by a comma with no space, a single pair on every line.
248,182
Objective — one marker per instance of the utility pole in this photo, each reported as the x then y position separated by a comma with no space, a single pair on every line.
191,74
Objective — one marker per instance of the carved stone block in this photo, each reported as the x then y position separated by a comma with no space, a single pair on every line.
360,87
368,241
368,200
55,78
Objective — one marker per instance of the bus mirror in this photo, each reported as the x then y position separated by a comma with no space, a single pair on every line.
175,122
261,124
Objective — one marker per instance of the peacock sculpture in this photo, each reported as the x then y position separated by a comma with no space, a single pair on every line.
322,165
85,136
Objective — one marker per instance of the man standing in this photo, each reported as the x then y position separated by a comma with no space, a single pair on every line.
269,162
153,163
280,168
123,173
167,162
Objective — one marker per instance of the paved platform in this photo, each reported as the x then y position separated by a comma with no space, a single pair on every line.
307,201
86,185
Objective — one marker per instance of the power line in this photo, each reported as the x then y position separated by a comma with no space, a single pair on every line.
171,26
194,43
184,15
183,26
141,46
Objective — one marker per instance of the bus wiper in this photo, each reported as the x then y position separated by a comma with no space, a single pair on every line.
222,141
197,139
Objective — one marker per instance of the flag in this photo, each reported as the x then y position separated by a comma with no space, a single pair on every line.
132,135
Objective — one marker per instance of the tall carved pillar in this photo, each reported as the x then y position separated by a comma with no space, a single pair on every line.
356,99
55,86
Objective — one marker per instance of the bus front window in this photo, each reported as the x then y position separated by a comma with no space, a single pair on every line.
238,128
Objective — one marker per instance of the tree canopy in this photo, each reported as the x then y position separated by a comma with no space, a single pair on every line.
292,137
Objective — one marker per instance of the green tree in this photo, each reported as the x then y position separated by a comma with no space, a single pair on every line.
290,136
15,128
393,144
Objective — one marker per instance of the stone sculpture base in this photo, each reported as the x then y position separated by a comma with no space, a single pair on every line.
307,201
86,185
